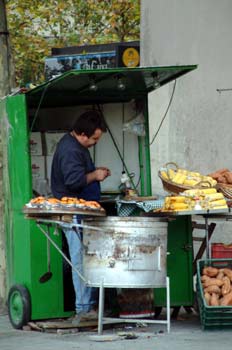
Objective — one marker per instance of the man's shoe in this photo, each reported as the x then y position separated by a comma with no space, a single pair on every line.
75,320
88,316
84,317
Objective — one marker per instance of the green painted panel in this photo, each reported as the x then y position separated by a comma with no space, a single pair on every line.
16,187
47,301
26,244
72,87
179,264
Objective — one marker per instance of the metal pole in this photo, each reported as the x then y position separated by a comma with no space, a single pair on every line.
63,255
101,307
207,237
168,303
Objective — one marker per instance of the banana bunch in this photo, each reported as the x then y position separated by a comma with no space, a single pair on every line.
195,199
187,178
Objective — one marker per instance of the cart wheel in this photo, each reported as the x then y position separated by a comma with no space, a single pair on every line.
19,306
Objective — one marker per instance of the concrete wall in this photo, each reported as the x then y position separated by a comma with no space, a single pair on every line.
196,133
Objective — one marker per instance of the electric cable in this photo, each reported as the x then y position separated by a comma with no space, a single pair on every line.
123,134
165,114
117,149
38,108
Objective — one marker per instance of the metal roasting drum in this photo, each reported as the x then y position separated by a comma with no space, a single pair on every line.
129,252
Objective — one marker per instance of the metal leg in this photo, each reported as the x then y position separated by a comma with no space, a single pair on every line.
60,251
207,238
167,321
101,307
168,303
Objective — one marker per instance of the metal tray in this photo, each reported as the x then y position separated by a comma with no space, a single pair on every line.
61,211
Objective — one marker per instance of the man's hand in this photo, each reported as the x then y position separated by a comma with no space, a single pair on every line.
98,175
106,169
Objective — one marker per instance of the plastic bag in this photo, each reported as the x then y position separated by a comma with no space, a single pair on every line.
136,125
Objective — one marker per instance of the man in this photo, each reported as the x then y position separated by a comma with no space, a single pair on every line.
74,175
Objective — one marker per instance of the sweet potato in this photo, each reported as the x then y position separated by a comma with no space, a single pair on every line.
213,289
207,298
226,285
228,272
221,179
226,300
228,176
220,274
214,300
213,281
218,173
204,278
210,271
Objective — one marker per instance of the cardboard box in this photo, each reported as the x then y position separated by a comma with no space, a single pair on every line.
39,177
52,138
49,167
41,186
38,167
36,144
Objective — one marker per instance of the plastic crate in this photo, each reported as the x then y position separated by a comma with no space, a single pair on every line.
221,251
212,317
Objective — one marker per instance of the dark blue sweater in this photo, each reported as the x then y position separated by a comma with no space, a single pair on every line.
71,163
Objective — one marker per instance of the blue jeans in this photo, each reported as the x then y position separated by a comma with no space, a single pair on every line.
85,299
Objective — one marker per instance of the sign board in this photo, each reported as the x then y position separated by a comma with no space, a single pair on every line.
92,57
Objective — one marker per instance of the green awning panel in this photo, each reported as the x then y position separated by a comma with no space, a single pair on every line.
74,87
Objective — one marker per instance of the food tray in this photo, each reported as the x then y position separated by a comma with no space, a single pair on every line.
212,317
62,211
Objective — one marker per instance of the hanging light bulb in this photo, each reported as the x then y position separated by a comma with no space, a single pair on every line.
92,86
121,85
155,78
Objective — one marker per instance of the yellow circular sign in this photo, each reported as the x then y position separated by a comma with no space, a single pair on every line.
130,57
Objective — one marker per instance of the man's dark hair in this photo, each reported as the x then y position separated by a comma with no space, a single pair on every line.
88,122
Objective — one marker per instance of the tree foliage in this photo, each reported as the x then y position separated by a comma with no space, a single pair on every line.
36,26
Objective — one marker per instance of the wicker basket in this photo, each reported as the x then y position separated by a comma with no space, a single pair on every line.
225,189
174,188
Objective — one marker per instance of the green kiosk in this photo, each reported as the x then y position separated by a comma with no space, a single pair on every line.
46,112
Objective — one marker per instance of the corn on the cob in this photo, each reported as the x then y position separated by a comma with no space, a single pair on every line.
217,203
214,196
198,192
164,174
221,207
177,199
171,173
194,174
179,178
190,182
178,206
183,171
204,191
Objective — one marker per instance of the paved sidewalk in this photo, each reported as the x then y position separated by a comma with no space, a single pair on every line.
185,334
